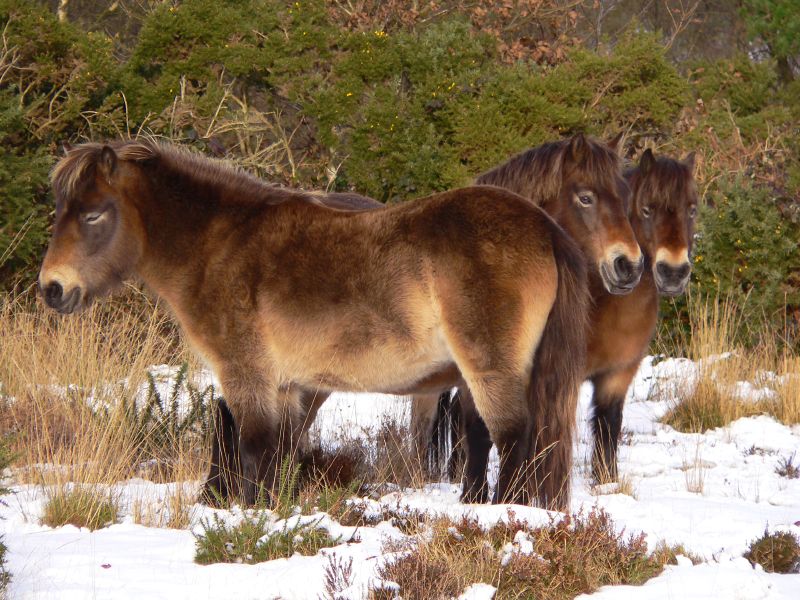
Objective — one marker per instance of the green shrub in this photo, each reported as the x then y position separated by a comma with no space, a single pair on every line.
52,77
252,541
777,552
746,248
746,86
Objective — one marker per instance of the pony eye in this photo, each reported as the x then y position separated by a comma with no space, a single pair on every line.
646,212
692,211
585,199
92,217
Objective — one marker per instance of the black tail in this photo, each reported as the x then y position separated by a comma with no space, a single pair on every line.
443,444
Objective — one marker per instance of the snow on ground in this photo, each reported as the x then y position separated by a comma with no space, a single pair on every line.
713,493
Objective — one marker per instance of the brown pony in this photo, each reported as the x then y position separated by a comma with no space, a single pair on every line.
278,292
579,179
621,326
663,218
551,177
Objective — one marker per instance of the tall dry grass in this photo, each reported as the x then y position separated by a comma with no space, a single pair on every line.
64,384
732,380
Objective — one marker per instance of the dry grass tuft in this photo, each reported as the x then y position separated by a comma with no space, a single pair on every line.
81,506
575,555
68,388
715,397
668,555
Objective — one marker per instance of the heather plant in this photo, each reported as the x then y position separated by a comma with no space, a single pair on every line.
777,552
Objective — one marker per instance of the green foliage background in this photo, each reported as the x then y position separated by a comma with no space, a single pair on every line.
396,111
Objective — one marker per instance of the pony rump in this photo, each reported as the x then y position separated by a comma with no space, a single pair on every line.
558,371
539,173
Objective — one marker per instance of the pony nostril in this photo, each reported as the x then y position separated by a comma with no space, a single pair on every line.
623,268
669,273
53,292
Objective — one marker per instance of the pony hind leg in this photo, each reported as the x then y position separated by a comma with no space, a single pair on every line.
499,399
608,401
477,444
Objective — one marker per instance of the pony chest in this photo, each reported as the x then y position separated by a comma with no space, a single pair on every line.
621,329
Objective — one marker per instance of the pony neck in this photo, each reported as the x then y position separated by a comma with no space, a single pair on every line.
182,217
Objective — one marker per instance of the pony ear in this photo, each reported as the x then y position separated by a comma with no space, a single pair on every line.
108,162
615,143
577,147
66,147
689,161
647,161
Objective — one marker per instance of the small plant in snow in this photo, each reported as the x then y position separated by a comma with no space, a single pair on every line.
161,421
777,552
558,561
787,468
338,575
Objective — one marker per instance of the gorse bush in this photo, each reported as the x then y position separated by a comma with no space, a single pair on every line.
747,250
254,540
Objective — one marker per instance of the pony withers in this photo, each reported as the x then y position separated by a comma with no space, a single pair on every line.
278,292
581,180
663,210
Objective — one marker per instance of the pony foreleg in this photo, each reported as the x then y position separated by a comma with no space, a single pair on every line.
608,401
267,433
224,480
225,473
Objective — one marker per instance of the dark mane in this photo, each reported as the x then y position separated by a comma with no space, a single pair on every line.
539,173
78,167
668,183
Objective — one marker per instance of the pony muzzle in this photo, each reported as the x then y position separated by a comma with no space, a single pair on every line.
61,290
620,274
671,280
671,271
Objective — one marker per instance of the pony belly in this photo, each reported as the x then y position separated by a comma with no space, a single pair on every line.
379,367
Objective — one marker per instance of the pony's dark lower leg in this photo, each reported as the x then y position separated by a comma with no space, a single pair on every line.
477,444
268,428
608,401
457,459
502,404
606,426
225,473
